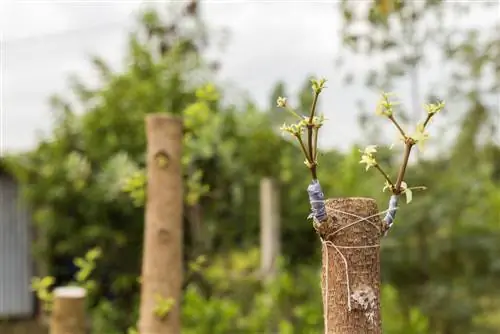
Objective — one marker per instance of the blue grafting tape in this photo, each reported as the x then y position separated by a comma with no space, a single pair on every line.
317,200
391,212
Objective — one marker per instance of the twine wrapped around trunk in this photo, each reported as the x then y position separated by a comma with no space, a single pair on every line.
350,279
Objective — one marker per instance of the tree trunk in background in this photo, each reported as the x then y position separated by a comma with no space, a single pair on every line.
269,228
162,255
68,311
350,279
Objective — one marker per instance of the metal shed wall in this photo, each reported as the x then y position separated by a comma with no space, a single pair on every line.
16,261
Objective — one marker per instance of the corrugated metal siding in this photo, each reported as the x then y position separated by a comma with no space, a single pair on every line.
16,298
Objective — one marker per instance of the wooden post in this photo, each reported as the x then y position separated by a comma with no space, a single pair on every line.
68,312
350,279
269,228
162,254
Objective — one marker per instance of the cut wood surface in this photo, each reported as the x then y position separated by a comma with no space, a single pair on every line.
68,311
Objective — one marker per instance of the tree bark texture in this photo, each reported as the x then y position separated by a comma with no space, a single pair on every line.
350,279
162,254
68,311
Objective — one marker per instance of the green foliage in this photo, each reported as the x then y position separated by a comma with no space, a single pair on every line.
399,318
108,318
135,186
163,306
237,301
202,125
42,286
86,265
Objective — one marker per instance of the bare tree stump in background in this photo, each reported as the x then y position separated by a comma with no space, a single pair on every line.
350,279
162,254
68,312
269,228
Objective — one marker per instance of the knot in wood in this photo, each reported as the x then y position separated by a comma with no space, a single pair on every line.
163,235
162,159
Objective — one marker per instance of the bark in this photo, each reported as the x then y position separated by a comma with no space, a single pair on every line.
162,254
68,311
348,243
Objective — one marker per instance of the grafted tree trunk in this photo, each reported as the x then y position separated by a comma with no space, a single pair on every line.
162,255
350,279
68,311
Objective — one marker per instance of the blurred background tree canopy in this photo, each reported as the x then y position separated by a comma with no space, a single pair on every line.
440,263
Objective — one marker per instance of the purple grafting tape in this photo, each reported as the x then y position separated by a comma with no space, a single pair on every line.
317,200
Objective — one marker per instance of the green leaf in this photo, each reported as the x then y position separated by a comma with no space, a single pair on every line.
409,195
79,262
93,254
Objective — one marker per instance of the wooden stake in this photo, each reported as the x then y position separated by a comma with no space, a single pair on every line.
162,254
350,279
269,228
68,312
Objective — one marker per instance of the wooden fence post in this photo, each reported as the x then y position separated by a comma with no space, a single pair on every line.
350,279
68,312
269,228
162,255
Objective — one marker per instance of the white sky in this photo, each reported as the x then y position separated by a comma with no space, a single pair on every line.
45,41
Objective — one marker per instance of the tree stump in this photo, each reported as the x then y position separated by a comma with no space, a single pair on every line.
161,283
350,279
68,313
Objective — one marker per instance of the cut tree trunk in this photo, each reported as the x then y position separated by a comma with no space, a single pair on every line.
269,228
68,311
350,279
162,255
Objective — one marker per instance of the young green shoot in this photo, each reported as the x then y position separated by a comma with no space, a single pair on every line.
308,125
385,108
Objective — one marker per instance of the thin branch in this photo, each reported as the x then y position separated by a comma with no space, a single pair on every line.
311,164
293,112
429,116
313,171
408,145
310,126
388,179
315,146
302,146
313,107
310,142
396,124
